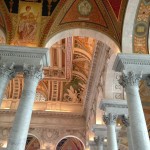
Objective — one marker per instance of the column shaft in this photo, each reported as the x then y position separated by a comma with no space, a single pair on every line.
19,132
100,146
110,121
129,136
111,136
137,120
136,115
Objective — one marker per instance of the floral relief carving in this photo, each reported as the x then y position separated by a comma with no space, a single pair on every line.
74,91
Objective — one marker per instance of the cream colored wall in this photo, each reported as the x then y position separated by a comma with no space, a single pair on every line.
48,128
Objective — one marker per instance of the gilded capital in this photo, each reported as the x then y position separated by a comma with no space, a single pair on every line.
130,79
110,119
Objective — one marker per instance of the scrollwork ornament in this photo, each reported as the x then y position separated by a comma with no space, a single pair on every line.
125,121
7,71
110,119
130,79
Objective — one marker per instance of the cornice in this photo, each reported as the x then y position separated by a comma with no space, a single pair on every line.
113,103
24,55
114,107
132,62
46,113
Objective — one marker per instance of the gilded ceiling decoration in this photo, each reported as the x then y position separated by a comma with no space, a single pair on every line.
65,80
33,22
141,30
108,18
59,15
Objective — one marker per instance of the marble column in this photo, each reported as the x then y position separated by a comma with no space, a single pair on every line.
92,145
6,73
130,81
125,121
110,121
100,145
19,131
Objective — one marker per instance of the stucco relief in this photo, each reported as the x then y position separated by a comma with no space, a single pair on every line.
49,138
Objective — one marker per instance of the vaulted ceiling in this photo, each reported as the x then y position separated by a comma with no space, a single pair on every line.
57,15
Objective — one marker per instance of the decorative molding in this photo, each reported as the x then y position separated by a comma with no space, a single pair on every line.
100,57
116,107
20,55
45,113
138,63
100,130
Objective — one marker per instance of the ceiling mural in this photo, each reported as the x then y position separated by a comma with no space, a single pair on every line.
58,15
65,80
33,22
105,20
141,29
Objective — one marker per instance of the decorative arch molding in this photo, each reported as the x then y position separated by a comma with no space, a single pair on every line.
128,26
7,21
34,135
83,32
68,136
141,37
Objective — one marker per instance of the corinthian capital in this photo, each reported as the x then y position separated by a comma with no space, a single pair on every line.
33,72
130,79
125,121
110,119
7,71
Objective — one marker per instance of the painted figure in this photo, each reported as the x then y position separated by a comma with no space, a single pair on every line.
27,26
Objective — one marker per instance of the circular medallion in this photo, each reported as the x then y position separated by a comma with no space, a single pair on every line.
141,29
84,7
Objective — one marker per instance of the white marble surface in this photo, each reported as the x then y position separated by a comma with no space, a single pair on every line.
128,26
111,136
19,131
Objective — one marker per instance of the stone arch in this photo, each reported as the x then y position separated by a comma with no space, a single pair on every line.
36,138
68,136
87,33
128,26
83,32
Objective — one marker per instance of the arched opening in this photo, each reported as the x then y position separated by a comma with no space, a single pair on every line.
32,143
70,143
85,33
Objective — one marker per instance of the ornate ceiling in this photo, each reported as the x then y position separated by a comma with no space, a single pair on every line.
58,15
64,85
